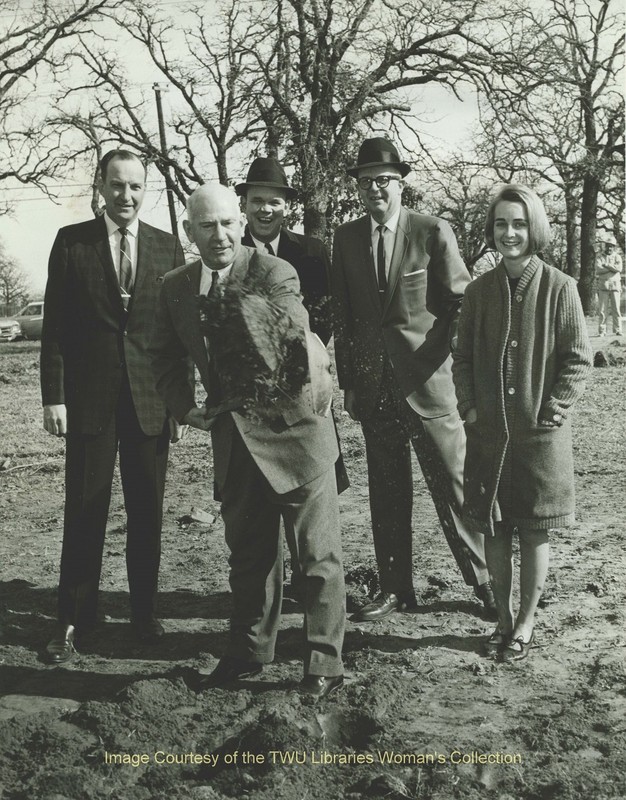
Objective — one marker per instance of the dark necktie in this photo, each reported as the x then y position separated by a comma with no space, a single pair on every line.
270,249
126,267
380,260
215,276
214,379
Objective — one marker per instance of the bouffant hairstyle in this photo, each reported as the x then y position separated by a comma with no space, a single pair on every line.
539,233
124,155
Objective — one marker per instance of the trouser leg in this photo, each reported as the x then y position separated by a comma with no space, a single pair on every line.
143,464
311,515
89,465
616,317
448,435
251,521
603,300
391,499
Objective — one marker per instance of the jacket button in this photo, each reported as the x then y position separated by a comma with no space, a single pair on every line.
518,299
514,343
511,390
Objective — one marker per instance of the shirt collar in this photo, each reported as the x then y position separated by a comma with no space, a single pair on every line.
112,227
391,224
261,245
223,273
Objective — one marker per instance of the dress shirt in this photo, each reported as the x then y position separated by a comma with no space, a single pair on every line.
206,278
262,246
115,237
389,240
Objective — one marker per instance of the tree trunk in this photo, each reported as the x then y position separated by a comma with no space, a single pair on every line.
571,239
588,221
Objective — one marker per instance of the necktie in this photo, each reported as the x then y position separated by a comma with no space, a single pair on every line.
215,276
270,249
380,260
126,267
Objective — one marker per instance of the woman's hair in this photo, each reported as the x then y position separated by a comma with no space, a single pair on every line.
538,226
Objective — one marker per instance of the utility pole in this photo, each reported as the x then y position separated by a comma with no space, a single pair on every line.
169,185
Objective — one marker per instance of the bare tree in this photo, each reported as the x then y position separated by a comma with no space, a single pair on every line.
559,115
14,288
34,42
303,80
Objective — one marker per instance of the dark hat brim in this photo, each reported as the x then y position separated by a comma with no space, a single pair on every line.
242,188
401,166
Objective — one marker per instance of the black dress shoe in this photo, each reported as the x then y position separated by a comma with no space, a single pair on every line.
484,593
319,686
147,631
230,670
384,605
61,649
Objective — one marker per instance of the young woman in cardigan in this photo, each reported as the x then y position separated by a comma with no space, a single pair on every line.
521,360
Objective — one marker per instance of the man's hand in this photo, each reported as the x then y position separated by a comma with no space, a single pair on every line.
350,404
55,419
196,419
177,431
471,416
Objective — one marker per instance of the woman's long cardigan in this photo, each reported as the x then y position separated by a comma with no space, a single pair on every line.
514,363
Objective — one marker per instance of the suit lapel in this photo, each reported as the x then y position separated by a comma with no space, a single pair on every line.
364,256
103,251
397,258
144,256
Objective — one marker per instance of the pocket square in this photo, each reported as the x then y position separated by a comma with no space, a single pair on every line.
417,272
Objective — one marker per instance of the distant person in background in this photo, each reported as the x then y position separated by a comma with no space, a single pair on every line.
609,274
104,280
521,360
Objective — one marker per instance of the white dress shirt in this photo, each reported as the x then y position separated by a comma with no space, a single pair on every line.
115,237
262,246
206,277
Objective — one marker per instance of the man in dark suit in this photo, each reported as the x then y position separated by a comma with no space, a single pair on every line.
398,281
104,279
266,196
263,470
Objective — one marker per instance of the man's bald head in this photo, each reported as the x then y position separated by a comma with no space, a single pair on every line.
214,224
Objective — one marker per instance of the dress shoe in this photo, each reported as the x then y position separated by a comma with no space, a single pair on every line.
496,643
516,649
319,686
484,593
384,605
230,670
147,631
61,649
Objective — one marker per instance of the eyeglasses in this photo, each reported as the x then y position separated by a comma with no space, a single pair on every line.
382,181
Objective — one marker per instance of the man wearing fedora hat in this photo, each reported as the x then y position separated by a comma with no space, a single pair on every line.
398,281
266,195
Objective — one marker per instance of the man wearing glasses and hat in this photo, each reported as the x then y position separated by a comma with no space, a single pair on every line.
398,280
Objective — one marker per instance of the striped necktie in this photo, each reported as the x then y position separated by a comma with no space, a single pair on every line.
126,266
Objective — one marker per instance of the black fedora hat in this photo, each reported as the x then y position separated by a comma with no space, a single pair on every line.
378,152
266,172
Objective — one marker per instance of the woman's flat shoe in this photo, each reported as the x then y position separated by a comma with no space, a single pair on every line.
517,649
496,642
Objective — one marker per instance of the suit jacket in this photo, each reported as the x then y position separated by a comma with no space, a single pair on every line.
309,257
89,339
291,451
427,278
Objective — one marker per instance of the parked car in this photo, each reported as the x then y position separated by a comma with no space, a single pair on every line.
30,320
10,329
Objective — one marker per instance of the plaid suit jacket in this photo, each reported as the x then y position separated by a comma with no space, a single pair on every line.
89,340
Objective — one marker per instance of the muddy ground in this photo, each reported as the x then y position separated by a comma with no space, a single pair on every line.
422,708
